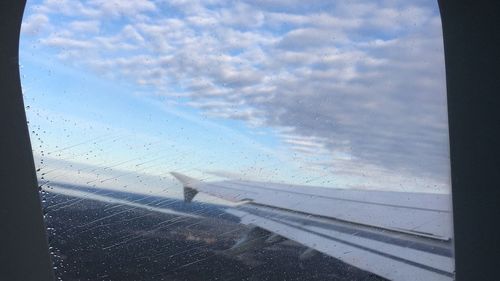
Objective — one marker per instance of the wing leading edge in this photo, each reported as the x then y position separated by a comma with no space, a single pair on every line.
397,235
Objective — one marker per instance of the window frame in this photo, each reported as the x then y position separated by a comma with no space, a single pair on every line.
471,58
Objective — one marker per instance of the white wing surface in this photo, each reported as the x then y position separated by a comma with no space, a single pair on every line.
396,235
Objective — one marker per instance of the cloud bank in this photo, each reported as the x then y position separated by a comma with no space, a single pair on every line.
351,87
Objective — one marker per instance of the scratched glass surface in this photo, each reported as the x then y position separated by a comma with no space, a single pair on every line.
319,94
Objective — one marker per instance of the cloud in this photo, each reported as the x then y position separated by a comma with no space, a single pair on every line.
67,43
241,15
34,24
85,26
66,8
116,8
358,86
96,9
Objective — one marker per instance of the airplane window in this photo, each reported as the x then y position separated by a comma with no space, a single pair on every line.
240,140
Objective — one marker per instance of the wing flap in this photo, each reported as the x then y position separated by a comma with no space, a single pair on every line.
410,258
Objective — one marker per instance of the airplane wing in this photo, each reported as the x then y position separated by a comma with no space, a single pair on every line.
396,235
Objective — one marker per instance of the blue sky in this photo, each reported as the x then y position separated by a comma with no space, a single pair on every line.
345,94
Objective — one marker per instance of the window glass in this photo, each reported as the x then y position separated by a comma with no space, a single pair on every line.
321,94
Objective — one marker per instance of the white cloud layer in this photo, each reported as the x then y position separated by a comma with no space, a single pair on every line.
358,83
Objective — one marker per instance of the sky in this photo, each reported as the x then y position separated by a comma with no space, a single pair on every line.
343,94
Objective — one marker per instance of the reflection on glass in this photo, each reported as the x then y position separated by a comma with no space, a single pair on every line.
265,109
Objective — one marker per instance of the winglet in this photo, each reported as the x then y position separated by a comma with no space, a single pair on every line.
188,185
